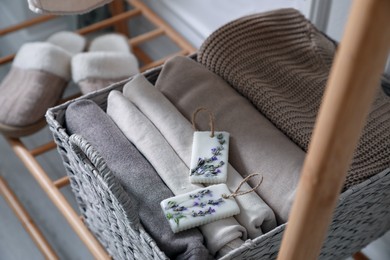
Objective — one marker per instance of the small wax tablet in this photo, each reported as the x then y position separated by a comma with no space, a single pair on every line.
199,207
209,157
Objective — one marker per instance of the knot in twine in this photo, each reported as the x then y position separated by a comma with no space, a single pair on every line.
236,193
211,119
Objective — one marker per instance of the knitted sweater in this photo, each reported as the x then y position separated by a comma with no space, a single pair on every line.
281,62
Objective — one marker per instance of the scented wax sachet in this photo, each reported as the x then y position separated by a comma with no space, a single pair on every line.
199,207
209,157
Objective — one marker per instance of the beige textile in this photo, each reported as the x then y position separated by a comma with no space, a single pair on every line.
256,145
152,145
281,62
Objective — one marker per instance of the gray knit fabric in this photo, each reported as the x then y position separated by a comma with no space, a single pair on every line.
280,62
137,177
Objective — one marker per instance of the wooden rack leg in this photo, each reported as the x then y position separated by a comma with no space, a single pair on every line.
158,22
43,148
109,21
26,221
118,7
58,199
24,25
62,182
351,87
360,256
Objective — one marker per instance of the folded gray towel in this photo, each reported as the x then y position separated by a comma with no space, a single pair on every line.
137,177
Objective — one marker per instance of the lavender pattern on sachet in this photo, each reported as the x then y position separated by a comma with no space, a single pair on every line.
206,166
199,204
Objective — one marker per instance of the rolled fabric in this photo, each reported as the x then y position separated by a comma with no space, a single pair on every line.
149,141
137,177
256,145
256,216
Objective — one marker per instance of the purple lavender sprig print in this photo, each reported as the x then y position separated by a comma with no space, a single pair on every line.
199,204
205,166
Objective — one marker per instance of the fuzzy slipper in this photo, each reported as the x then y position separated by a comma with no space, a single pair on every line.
37,78
65,7
69,41
108,60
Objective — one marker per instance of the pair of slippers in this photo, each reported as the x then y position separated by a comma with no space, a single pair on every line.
41,71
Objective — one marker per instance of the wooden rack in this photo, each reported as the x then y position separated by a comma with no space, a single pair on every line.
359,62
349,93
118,20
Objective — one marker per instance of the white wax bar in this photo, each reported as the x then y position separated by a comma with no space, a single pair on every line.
199,207
209,158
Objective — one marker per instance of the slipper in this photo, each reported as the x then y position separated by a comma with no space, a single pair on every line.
36,81
65,7
69,41
108,60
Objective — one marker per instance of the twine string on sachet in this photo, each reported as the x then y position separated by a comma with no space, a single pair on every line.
237,193
211,119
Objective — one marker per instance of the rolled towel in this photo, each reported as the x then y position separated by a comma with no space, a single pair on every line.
256,145
108,60
137,177
281,63
149,141
256,216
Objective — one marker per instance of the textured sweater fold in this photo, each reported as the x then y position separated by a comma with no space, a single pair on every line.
281,62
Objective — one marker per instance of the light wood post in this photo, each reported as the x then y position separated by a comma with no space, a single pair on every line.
118,7
27,221
160,23
28,23
350,90
109,21
58,199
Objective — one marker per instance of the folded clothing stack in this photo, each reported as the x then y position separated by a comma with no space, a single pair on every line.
280,63
256,145
255,215
141,132
137,177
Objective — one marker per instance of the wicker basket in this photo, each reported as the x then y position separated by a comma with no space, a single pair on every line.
362,214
